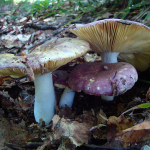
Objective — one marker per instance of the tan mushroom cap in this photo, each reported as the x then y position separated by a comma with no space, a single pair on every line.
140,61
115,35
11,65
55,53
45,58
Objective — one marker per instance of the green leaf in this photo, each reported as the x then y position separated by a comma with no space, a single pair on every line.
144,81
147,16
145,105
75,19
124,15
129,3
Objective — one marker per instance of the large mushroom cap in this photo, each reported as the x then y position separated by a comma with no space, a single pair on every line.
45,58
109,79
11,65
55,53
140,61
115,35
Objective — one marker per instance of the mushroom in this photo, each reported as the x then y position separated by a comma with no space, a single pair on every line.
11,65
60,80
113,37
43,60
140,61
109,79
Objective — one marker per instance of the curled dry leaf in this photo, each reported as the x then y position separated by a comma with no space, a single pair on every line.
136,134
88,118
78,133
114,125
23,37
90,57
6,82
5,129
147,95
101,117
10,41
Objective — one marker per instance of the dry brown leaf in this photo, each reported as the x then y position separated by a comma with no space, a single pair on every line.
90,57
11,41
24,105
46,144
78,133
114,125
5,135
147,95
7,82
66,145
136,134
101,120
88,118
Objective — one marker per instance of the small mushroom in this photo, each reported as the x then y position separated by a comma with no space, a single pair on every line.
60,80
113,37
109,79
40,63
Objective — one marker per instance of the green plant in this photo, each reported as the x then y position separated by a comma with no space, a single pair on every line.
4,2
133,5
38,6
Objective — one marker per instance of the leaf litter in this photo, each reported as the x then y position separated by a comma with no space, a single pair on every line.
91,122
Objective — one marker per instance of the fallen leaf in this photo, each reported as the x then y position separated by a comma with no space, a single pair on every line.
11,41
114,125
5,135
121,108
136,134
147,95
23,37
100,119
78,133
88,118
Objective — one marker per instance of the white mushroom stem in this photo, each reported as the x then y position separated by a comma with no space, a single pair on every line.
109,57
44,105
107,98
67,98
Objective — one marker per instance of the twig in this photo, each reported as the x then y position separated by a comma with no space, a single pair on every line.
97,127
142,14
131,109
41,42
111,148
103,117
28,145
5,31
41,27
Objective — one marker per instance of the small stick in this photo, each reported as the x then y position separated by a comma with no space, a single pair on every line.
43,41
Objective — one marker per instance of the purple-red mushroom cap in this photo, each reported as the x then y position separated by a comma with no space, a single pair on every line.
60,78
111,79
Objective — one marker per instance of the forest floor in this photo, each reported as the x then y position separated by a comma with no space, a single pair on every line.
91,123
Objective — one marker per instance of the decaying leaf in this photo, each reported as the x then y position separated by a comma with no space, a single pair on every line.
147,95
11,41
114,125
101,117
136,134
4,131
78,133
121,108
88,118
